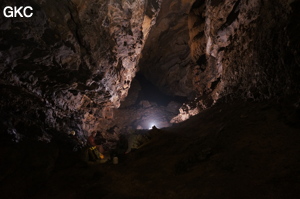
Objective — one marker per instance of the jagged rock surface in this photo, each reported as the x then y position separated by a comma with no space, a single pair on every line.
243,49
165,59
73,61
71,64
247,49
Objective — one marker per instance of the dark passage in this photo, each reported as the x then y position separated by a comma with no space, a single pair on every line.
152,93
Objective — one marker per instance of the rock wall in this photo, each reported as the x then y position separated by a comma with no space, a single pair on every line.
72,62
237,48
246,50
166,57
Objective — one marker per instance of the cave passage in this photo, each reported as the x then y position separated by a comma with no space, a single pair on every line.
219,80
152,93
147,106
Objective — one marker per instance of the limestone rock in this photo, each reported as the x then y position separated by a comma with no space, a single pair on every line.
71,64
242,49
133,94
76,58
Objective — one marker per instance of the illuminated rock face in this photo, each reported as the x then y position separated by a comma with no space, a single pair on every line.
71,63
211,49
243,49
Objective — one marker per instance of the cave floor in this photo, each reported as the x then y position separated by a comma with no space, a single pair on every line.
236,150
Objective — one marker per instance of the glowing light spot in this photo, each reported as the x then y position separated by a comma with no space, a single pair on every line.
152,124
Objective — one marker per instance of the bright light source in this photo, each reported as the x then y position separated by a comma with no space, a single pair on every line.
152,125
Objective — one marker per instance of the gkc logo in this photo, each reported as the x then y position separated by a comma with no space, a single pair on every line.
15,11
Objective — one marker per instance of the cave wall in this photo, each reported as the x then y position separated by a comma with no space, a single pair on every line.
236,49
166,58
70,64
248,50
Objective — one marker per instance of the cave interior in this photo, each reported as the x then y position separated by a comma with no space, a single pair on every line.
185,99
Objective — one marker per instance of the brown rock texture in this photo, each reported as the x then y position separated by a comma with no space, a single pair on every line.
237,48
73,67
166,57
246,49
69,66
73,61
